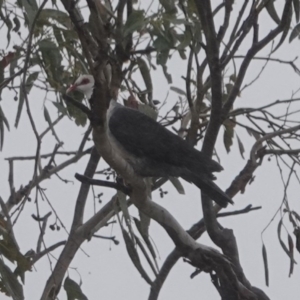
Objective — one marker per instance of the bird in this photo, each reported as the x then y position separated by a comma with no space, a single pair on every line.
154,151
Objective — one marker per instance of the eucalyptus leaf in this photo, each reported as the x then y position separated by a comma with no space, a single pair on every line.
296,4
145,72
28,85
295,33
135,22
272,11
73,290
177,184
3,121
31,9
10,282
57,15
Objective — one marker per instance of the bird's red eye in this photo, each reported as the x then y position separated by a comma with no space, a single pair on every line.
85,81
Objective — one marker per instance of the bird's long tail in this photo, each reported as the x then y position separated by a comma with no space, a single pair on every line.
209,188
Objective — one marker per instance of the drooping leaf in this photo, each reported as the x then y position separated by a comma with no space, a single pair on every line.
145,237
28,85
124,207
58,35
161,43
296,4
253,133
134,256
135,22
146,255
291,251
272,11
31,9
6,20
144,69
284,247
228,135
177,184
265,259
73,290
295,33
297,234
184,39
169,6
59,16
9,281
17,24
52,59
79,116
241,147
178,90
49,121
288,21
60,107
1,79
30,80
3,120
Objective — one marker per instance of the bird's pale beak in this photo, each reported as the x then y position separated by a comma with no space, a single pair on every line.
71,88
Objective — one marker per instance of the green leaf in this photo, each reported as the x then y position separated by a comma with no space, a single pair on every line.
145,237
178,90
295,33
228,136
288,20
31,9
253,133
1,77
162,57
241,147
79,117
10,282
58,35
284,247
17,24
184,39
49,121
296,4
135,22
123,205
272,11
3,120
297,234
133,254
169,6
60,107
59,16
291,251
144,69
162,43
167,75
13,65
177,184
73,290
28,85
52,62
30,80
8,24
265,259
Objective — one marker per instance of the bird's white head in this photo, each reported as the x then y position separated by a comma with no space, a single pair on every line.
84,84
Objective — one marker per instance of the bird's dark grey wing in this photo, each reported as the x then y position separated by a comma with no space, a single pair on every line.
145,138
159,152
